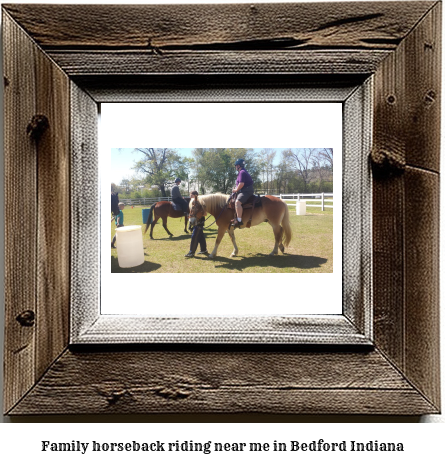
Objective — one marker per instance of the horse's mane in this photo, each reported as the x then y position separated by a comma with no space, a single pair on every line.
212,202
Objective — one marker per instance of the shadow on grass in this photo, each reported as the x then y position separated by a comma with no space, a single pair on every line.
301,262
146,267
183,236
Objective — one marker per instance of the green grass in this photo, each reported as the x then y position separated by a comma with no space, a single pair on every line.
310,251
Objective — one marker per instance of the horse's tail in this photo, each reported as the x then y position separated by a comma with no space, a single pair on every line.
285,223
150,218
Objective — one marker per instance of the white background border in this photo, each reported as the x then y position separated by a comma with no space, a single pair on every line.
283,125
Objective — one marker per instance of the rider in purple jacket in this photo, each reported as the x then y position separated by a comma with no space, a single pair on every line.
244,190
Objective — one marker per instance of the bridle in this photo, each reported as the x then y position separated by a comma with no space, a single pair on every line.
193,213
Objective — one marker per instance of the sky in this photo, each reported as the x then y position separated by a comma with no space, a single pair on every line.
123,160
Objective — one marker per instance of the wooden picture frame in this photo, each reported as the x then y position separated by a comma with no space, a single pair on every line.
56,72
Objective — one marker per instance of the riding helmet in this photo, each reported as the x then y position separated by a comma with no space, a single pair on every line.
177,180
240,162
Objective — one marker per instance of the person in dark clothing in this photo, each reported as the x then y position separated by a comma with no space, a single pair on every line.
244,190
119,220
197,234
177,197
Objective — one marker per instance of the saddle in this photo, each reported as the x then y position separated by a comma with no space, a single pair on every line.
254,201
178,206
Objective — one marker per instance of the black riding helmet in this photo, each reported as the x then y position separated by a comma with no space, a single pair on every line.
240,162
177,180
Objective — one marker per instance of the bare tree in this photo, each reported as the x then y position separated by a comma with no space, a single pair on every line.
267,157
326,156
302,160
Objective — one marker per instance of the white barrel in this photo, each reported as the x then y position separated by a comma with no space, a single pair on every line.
130,249
301,207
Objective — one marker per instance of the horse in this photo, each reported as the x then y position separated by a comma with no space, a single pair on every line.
273,210
163,209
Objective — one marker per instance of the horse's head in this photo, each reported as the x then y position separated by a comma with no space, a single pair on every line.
197,210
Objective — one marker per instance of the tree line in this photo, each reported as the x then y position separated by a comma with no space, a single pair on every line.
303,170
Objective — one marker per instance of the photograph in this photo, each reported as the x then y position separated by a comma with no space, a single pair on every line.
284,193
278,229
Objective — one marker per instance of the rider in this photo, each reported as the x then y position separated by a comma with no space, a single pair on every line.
177,197
244,190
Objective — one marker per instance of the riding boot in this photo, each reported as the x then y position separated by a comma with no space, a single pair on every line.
237,224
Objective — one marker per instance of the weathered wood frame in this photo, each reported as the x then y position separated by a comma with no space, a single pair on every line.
77,56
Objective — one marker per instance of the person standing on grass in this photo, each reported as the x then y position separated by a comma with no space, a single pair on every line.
119,219
197,234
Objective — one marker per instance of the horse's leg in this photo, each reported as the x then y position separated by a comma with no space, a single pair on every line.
186,218
164,223
155,220
235,247
278,233
221,231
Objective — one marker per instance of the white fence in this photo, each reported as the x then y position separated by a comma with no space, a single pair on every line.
291,199
144,201
321,199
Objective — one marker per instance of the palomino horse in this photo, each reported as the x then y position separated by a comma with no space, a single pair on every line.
273,210
163,209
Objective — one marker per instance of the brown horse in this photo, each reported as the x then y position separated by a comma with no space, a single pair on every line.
272,210
162,210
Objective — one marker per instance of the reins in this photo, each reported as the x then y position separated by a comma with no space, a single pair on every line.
220,213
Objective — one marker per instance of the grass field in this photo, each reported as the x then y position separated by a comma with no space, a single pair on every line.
310,251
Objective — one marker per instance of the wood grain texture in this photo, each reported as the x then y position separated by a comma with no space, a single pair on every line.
21,223
422,281
85,209
388,268
154,27
108,329
407,113
207,39
37,274
423,92
53,209
357,209
220,381
218,87
129,63
406,205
